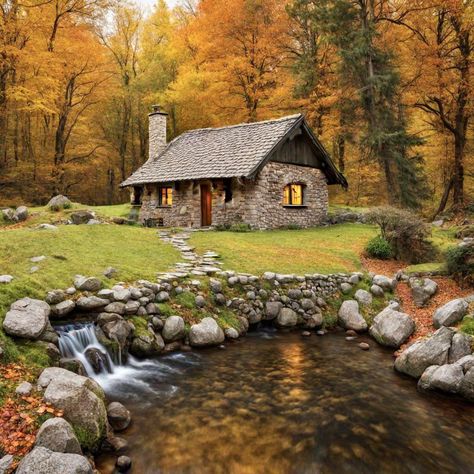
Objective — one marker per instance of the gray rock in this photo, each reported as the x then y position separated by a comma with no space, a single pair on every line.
233,280
206,333
59,202
446,378
6,463
91,303
27,318
37,259
123,463
110,272
466,362
287,318
47,227
83,283
346,288
62,309
5,279
55,296
173,329
349,316
8,214
450,313
269,276
231,333
122,295
131,307
215,285
314,321
460,347
115,307
44,461
162,296
21,214
119,331
422,290
81,217
219,298
307,304
24,388
377,290
392,328
387,284
57,435
119,417
419,356
82,401
363,297
272,309
147,344
466,388
294,293
200,301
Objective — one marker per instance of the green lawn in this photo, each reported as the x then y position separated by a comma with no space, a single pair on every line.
135,252
317,250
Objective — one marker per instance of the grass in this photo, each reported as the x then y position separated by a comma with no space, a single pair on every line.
135,252
467,325
317,250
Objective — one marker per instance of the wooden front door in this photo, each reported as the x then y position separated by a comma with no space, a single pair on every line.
206,205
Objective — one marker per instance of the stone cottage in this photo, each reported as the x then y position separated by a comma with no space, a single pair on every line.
267,174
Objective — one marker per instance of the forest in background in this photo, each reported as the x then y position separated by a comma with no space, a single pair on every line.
385,84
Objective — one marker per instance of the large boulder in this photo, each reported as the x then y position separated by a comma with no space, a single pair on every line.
147,344
27,318
430,351
119,417
62,309
118,330
422,290
447,378
21,214
392,328
82,217
461,346
8,214
349,316
206,333
56,434
83,283
44,461
82,401
287,318
173,329
59,202
451,313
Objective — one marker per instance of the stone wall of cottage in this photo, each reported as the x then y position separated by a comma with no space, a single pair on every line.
258,202
265,197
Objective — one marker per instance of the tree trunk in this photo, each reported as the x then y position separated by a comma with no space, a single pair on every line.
444,198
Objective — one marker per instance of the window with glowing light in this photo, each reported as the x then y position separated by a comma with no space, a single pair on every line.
293,195
165,196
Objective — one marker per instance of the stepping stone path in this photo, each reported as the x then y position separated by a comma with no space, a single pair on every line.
193,263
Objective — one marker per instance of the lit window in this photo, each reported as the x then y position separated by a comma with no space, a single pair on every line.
293,195
165,196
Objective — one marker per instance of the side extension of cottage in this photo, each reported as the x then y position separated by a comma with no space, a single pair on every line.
267,174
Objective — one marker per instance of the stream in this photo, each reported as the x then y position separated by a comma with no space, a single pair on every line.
275,402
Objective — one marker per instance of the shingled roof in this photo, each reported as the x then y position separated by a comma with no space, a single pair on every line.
226,152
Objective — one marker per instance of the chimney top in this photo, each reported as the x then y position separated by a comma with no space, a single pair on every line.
156,109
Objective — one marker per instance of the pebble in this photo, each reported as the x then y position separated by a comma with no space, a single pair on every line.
351,332
306,334
351,338
321,332
123,463
364,346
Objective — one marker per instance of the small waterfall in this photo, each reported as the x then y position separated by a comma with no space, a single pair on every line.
79,341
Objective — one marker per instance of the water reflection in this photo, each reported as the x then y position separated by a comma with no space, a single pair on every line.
279,403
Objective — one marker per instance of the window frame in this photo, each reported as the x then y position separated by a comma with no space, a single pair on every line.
291,195
168,196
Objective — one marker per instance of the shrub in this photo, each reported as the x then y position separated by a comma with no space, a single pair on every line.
406,233
240,227
460,263
292,226
379,248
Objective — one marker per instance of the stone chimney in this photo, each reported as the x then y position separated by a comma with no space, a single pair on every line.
156,132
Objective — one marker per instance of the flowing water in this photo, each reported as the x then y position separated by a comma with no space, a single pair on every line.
279,403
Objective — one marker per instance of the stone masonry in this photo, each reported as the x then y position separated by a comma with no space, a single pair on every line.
256,202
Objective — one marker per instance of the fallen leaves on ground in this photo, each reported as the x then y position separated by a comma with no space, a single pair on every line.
20,416
382,267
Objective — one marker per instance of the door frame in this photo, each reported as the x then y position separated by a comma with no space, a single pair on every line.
206,205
